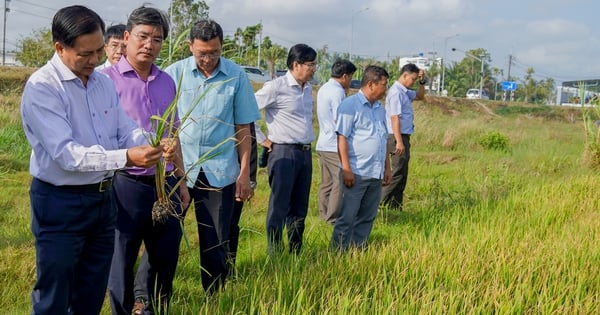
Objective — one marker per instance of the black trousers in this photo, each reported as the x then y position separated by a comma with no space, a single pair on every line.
234,229
392,195
214,208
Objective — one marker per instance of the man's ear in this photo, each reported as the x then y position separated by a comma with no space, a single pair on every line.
59,48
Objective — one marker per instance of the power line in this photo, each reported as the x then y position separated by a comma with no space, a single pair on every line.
37,5
32,14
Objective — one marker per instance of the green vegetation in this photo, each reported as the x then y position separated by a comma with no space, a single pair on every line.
494,140
483,231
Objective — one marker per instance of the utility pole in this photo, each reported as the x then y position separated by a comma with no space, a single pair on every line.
6,10
259,44
509,64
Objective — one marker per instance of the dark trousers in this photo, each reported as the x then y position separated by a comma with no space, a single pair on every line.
74,239
214,207
290,175
393,194
234,229
134,199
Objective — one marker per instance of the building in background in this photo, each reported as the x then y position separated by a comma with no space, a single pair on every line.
426,63
570,92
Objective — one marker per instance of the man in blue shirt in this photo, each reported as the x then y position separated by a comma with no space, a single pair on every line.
288,105
400,118
217,97
79,136
329,97
362,146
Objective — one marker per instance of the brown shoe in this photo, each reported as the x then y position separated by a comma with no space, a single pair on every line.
138,306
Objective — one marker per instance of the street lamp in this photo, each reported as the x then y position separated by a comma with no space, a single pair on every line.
352,29
480,59
444,60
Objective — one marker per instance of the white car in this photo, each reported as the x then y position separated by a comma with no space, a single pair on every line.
256,75
474,94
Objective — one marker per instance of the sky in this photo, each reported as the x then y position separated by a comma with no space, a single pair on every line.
558,39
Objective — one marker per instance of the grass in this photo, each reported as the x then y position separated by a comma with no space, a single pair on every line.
484,231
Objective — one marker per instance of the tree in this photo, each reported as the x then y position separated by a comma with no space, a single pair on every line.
272,55
184,14
37,49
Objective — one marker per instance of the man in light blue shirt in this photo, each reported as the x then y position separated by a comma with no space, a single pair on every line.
79,136
329,97
288,104
398,104
362,146
216,96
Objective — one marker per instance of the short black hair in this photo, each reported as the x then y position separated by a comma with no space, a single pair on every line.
206,30
114,31
300,53
410,68
73,21
148,16
373,74
341,67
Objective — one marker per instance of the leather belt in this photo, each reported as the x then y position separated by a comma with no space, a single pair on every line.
145,179
102,186
298,146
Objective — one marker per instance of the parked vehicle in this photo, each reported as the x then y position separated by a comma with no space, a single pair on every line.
279,73
256,75
474,94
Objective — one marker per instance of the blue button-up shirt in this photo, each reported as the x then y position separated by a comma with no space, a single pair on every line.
288,110
78,134
399,102
363,124
215,105
330,95
143,98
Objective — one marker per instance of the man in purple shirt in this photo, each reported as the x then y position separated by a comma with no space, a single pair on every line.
144,90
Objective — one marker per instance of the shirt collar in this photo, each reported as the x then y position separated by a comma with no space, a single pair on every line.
123,66
363,100
221,67
65,74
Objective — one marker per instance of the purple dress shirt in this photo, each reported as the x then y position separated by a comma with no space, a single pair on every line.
142,98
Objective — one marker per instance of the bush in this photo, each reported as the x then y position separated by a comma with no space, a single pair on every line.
494,140
13,79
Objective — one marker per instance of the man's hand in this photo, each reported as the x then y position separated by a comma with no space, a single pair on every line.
170,148
268,144
243,189
387,177
144,156
184,197
348,178
399,149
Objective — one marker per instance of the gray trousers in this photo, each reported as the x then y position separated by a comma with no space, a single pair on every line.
330,193
357,213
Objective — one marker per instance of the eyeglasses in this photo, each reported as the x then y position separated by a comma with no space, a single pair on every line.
144,38
310,64
211,56
117,47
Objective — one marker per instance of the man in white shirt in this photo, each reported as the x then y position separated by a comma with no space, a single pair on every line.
288,105
329,97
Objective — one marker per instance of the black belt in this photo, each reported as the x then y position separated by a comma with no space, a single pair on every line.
299,146
102,186
146,179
